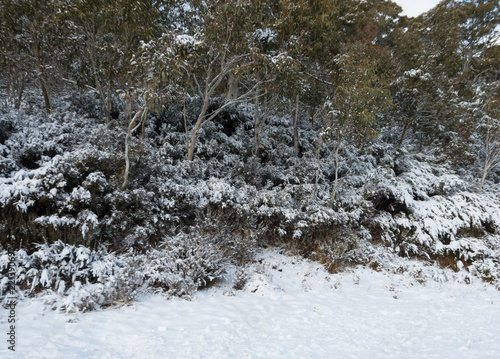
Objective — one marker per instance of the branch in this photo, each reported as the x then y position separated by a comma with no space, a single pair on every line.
317,78
197,85
225,69
185,124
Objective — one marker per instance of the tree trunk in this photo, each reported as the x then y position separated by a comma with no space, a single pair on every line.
296,127
98,85
405,128
318,169
491,155
483,177
337,149
232,87
18,98
190,154
185,124
256,127
196,128
130,129
36,51
108,104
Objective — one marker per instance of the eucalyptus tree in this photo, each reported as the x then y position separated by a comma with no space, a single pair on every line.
27,42
361,93
101,38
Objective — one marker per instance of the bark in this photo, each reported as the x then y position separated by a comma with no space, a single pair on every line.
197,127
405,128
261,118
139,115
257,126
318,169
492,155
38,59
108,105
185,124
17,101
483,178
337,149
296,144
98,85
16,88
232,87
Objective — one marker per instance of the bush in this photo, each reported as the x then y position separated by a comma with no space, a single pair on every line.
61,178
79,279
181,265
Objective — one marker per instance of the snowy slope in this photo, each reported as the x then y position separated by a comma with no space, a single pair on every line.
290,308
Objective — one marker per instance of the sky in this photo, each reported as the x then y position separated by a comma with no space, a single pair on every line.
414,8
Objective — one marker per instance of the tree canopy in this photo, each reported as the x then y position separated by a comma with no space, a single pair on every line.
370,66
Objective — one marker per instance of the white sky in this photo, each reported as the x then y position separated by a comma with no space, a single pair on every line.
414,8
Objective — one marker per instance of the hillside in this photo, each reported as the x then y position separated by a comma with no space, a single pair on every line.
178,224
186,155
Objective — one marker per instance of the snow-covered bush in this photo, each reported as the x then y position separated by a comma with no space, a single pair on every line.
335,251
181,265
75,278
61,176
243,248
240,278
426,211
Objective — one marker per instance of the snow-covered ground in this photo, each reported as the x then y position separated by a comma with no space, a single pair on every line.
290,308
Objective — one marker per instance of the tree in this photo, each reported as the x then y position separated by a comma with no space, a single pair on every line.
14,64
219,66
441,55
360,94
490,127
306,36
222,53
102,38
26,42
485,112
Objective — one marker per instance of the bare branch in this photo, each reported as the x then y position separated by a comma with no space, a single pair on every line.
197,85
317,79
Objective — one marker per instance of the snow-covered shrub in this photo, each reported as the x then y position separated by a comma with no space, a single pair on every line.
240,278
59,266
69,188
333,253
180,266
426,211
75,278
243,248
72,278
61,175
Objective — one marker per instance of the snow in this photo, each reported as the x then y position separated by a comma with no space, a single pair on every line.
265,35
184,39
289,308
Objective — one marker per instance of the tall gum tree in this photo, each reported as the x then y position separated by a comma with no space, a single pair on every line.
103,37
26,26
361,93
222,56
